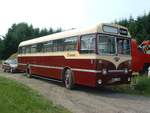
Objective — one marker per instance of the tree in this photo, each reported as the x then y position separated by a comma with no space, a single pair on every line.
1,48
18,33
44,32
139,28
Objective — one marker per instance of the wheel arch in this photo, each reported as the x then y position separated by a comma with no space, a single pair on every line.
63,72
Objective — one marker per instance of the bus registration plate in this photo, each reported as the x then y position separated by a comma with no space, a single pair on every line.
115,79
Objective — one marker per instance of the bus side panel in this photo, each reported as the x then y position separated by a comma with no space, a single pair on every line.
87,64
57,62
46,72
21,68
85,78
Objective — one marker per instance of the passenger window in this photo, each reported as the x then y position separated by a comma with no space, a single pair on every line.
39,47
23,50
88,43
55,46
33,48
28,49
48,46
70,43
60,45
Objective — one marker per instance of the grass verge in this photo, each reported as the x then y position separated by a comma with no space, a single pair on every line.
18,98
140,85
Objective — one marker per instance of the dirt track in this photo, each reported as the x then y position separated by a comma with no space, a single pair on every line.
84,99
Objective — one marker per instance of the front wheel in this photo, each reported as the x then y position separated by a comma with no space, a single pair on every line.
69,82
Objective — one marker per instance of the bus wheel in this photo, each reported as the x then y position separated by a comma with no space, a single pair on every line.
28,73
69,83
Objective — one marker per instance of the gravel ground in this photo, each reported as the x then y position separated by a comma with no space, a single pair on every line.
85,99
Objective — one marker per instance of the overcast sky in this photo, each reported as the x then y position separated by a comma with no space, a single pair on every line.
67,13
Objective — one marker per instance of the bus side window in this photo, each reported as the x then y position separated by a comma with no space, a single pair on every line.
33,49
28,49
55,45
47,46
88,44
23,50
20,50
40,47
60,45
70,43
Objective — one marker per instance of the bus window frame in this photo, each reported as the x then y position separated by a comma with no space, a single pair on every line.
79,46
107,54
110,27
77,37
116,52
120,37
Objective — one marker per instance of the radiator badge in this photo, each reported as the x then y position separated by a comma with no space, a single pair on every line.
116,59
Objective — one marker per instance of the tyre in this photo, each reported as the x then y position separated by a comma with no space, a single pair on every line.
68,80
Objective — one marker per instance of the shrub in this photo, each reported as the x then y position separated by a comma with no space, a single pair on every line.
142,84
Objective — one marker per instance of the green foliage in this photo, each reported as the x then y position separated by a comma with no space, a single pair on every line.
1,48
139,28
142,84
18,33
17,98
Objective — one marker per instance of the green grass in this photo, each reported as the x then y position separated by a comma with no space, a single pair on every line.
140,85
18,98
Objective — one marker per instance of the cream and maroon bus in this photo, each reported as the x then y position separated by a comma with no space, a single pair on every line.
93,56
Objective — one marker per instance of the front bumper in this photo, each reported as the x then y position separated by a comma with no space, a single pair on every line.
116,78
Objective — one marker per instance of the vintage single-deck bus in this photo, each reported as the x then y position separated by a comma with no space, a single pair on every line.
93,56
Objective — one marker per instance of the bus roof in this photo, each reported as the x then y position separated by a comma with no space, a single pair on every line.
98,28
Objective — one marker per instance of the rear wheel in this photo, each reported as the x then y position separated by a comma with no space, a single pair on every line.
69,82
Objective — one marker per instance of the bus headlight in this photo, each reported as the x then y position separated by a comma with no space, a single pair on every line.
104,71
129,79
99,81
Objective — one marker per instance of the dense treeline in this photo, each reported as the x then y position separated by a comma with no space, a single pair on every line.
139,27
20,32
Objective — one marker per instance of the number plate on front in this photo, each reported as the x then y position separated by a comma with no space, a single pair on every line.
115,79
